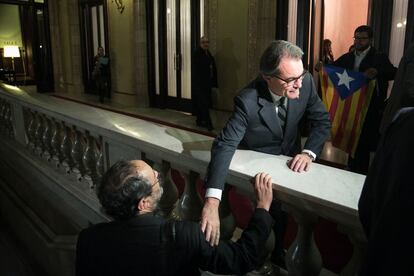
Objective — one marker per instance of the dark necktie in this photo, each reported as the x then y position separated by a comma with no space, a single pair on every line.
281,112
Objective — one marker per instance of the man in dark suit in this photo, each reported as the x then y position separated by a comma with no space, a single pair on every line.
266,118
204,77
365,58
138,242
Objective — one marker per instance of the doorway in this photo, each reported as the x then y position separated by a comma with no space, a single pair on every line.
29,23
94,34
173,29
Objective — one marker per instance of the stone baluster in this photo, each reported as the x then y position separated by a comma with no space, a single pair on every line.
66,149
39,134
303,256
78,148
2,111
89,160
56,142
190,204
4,106
169,198
6,119
100,167
31,128
10,121
47,138
359,241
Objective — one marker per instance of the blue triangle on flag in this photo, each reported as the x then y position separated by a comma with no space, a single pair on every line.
346,82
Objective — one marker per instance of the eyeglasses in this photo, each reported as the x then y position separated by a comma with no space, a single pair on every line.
292,80
360,38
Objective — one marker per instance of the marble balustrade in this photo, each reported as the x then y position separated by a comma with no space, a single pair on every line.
80,142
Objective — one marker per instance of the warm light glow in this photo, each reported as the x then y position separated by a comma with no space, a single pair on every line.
11,51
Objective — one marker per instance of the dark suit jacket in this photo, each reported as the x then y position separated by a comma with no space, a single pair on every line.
254,125
386,204
148,245
386,72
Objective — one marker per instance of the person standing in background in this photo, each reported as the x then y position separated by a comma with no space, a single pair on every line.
101,74
204,77
327,55
374,64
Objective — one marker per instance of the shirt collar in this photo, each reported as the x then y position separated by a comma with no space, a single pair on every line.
363,53
275,98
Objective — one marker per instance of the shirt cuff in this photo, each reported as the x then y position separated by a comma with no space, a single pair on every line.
311,153
213,192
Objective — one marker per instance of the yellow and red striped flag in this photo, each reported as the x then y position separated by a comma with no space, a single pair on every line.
346,95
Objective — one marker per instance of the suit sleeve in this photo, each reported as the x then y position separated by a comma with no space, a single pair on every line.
386,70
226,144
319,119
232,257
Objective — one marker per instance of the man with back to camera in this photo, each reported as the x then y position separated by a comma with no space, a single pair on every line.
374,64
138,242
265,118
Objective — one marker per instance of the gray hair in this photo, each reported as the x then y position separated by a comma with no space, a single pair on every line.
270,60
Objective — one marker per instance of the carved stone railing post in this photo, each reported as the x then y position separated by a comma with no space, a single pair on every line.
77,152
3,107
190,204
30,130
6,119
56,142
39,134
359,241
303,256
99,161
89,160
47,139
169,198
66,149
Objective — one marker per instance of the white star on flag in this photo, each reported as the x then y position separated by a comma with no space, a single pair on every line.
344,79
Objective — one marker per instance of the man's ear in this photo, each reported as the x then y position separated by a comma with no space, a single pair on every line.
143,204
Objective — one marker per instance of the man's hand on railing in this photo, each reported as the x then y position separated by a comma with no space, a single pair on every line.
300,163
210,221
263,190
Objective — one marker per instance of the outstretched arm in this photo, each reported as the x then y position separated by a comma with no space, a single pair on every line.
222,152
244,255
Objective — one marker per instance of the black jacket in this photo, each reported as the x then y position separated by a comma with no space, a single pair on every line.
386,204
150,245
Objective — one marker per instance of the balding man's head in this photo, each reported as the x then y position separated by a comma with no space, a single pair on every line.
129,188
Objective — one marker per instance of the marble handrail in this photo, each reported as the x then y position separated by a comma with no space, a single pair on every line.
323,191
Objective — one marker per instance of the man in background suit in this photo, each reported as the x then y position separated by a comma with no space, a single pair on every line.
138,242
266,118
374,64
203,78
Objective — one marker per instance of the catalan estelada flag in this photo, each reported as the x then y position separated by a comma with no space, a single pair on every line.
346,95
